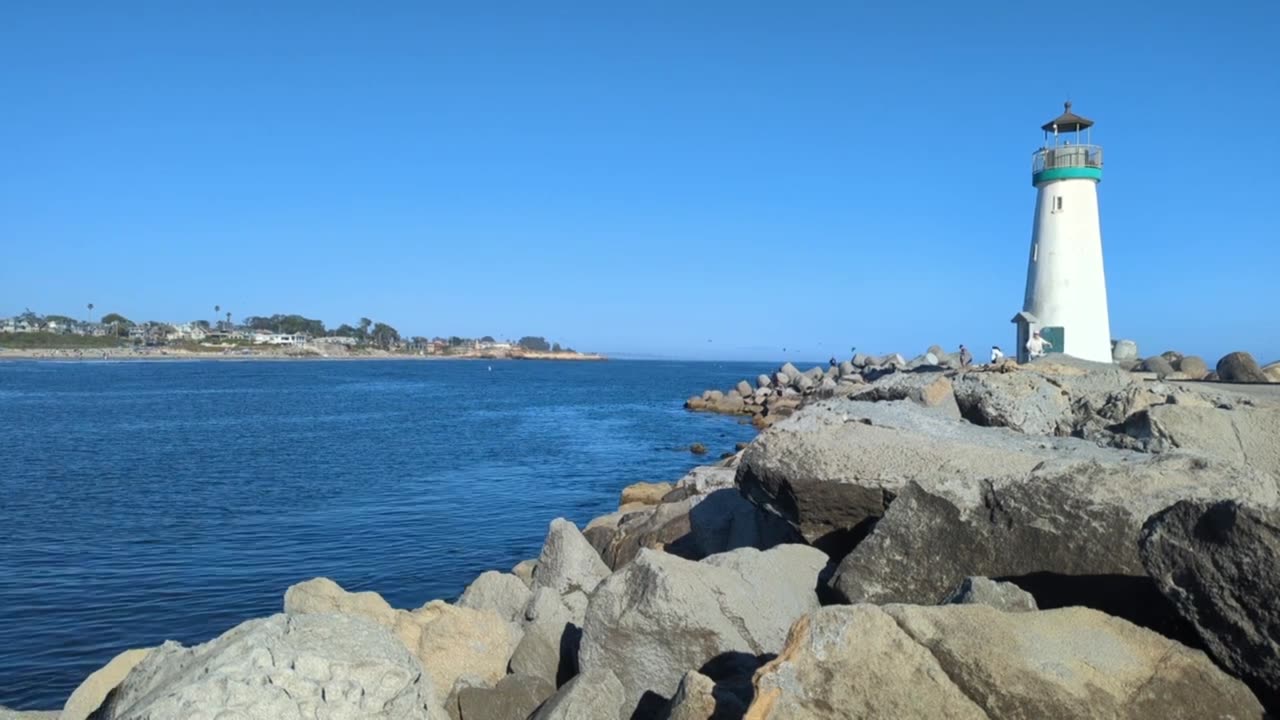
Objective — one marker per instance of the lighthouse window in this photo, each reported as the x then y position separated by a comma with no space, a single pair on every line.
1057,204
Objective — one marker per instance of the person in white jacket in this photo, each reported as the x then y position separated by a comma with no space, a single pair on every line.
1037,344
996,354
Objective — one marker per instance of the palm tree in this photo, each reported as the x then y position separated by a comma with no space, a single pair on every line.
228,320
91,312
364,327
217,309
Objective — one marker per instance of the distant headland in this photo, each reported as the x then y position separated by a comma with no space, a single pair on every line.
114,336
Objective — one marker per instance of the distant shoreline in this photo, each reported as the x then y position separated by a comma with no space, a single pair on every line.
121,354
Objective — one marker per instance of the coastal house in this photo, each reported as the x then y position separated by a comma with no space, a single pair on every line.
337,340
189,331
270,338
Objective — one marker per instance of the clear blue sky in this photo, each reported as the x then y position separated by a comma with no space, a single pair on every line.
706,179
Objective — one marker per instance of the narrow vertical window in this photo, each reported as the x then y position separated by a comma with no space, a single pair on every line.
1057,204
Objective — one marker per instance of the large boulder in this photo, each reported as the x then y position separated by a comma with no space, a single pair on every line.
457,642
661,616
322,595
549,647
1217,563
1245,434
503,593
645,493
660,527
1067,532
1028,402
1124,350
568,564
593,695
972,661
88,697
1053,396
1192,366
763,381
703,516
1240,367
515,697
524,570
1272,372
450,641
743,387
832,470
280,668
1158,364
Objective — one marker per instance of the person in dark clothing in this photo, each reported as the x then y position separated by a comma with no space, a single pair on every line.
966,358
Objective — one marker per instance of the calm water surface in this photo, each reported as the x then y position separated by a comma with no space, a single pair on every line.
145,501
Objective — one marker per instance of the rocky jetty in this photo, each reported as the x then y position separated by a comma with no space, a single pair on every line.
905,539
781,393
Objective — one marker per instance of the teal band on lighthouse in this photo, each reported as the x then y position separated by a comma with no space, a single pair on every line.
1067,173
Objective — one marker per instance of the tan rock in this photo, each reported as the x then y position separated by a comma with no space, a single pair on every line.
454,642
612,519
449,641
322,595
973,661
882,673
89,696
524,570
1272,372
644,493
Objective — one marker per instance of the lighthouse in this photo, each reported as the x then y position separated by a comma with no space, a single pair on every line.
1066,298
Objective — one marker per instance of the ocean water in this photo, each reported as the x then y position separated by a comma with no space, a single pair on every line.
145,501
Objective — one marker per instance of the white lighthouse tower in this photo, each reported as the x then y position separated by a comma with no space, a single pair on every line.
1066,299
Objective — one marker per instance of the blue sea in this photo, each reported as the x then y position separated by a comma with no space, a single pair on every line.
148,501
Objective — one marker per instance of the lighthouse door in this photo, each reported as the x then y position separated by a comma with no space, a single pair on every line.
1056,337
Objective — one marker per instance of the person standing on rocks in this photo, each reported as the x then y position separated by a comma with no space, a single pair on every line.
997,355
966,357
1037,344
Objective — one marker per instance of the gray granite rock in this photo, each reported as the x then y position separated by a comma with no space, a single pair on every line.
984,591
1061,519
593,695
503,593
279,667
549,647
662,615
1240,367
1217,563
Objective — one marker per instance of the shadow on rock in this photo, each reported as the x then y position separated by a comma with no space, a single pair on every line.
1133,598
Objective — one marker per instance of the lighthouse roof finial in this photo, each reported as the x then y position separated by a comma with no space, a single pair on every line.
1067,121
